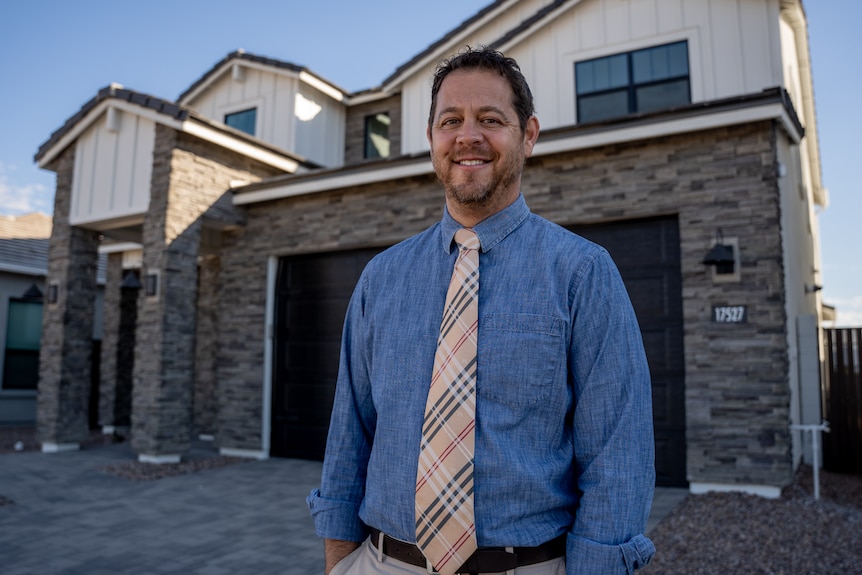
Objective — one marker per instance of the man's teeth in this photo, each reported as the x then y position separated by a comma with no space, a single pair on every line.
471,162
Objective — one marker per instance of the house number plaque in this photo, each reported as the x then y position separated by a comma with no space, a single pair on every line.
730,314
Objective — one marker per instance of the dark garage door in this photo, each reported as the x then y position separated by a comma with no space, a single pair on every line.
313,292
312,296
647,254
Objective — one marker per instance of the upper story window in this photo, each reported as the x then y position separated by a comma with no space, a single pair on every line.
644,80
244,120
377,136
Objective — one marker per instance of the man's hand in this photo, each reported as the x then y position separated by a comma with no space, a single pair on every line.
336,550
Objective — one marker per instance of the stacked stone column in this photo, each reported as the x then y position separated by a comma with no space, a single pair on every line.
67,324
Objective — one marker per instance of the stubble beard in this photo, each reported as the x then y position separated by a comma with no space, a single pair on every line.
473,192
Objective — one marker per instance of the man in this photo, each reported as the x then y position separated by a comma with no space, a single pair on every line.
557,458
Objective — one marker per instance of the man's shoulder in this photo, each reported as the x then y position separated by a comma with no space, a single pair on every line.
404,252
561,239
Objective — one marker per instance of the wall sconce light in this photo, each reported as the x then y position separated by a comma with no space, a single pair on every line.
151,284
53,293
131,281
721,256
33,293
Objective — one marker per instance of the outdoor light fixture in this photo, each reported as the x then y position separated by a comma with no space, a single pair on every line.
721,255
151,284
53,293
33,293
130,281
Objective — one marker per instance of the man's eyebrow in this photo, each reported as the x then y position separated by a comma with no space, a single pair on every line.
455,110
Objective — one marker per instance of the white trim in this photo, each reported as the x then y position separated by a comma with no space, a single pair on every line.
268,352
231,143
707,121
25,270
189,126
768,491
434,56
322,86
49,447
334,182
601,137
159,459
120,247
246,453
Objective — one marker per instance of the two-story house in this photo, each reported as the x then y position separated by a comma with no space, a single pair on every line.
681,135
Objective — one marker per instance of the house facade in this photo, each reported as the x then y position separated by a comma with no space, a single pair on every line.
679,135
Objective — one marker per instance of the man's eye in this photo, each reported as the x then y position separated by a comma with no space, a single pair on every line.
449,122
491,121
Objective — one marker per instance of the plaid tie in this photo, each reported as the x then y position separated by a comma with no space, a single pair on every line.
445,528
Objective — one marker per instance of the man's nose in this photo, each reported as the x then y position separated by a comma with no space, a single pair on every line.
470,132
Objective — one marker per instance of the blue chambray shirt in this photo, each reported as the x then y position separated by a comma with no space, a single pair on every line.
564,436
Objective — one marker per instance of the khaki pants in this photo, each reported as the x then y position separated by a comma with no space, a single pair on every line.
364,561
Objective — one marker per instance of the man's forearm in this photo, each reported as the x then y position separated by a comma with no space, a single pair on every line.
336,550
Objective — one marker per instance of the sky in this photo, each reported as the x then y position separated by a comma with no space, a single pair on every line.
56,54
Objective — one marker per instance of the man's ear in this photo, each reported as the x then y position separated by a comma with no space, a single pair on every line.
531,134
428,133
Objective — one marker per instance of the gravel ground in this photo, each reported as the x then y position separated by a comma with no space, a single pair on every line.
752,535
727,533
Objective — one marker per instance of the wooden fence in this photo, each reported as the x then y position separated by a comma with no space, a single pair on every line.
842,401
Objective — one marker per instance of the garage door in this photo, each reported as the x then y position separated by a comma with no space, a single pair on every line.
313,292
312,296
647,254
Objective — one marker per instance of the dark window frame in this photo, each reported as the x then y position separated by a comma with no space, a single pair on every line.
21,361
632,87
239,125
369,150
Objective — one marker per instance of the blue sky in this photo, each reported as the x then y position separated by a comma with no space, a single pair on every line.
56,54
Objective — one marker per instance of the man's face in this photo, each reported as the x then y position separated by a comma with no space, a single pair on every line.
477,146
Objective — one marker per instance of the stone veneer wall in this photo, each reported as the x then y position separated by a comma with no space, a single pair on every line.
110,340
67,326
209,306
190,180
737,395
354,144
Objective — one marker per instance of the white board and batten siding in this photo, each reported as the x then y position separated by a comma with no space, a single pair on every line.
291,114
113,169
734,48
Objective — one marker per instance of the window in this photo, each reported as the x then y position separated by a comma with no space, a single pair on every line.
645,80
23,333
244,120
377,136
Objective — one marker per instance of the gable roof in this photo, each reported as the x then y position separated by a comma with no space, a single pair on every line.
223,65
115,91
441,48
172,114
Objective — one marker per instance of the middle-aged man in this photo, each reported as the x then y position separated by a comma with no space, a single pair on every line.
515,435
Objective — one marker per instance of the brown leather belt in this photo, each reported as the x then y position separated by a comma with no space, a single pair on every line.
484,560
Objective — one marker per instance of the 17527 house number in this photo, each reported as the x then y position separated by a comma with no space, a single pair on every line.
730,314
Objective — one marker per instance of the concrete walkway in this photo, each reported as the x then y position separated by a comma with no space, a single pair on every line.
69,516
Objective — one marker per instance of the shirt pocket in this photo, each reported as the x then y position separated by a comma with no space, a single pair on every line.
520,357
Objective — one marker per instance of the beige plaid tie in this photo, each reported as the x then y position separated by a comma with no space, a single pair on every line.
445,527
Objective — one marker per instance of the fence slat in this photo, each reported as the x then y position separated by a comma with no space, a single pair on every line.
842,405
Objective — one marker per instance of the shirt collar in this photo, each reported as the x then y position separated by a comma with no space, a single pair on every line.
492,230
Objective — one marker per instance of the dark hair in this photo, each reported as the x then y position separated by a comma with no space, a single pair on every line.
487,59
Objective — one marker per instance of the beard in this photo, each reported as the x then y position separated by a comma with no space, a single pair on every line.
478,189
